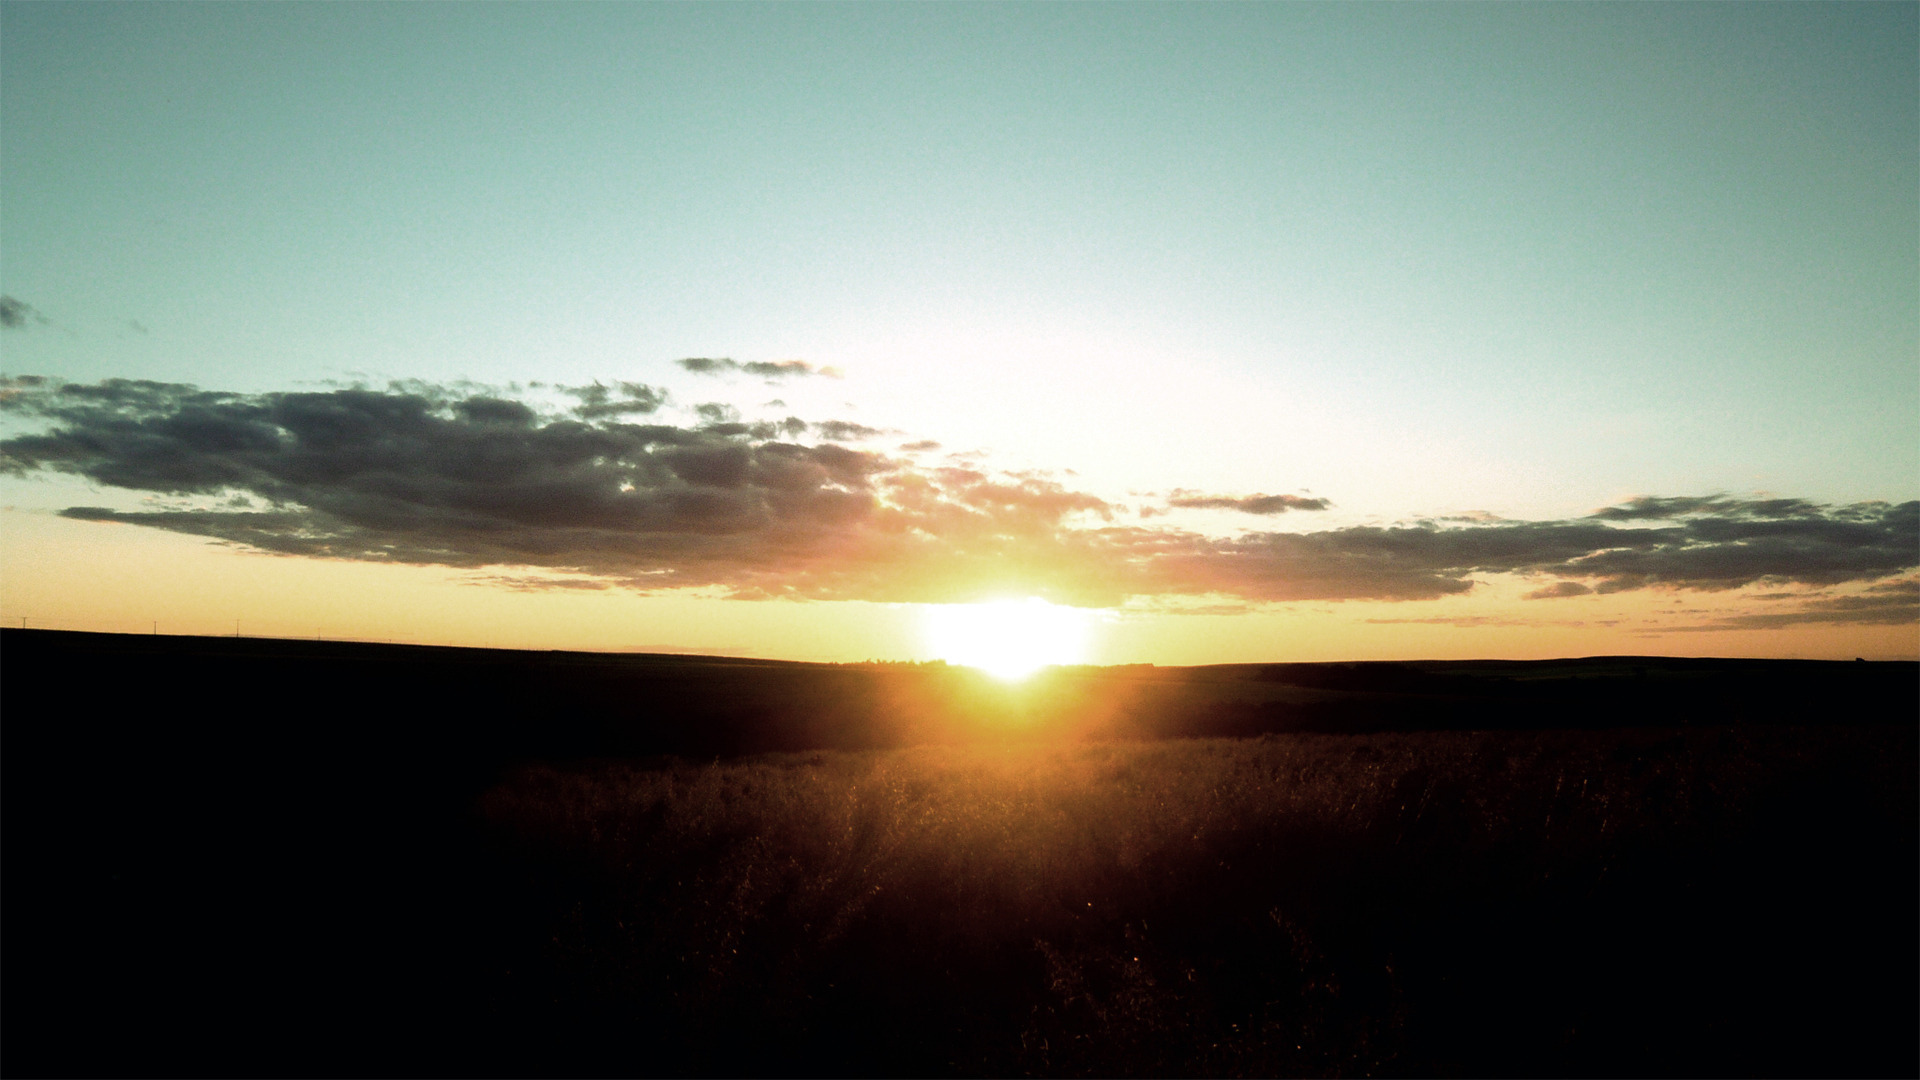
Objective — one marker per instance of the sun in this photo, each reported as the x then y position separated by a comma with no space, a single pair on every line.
1009,639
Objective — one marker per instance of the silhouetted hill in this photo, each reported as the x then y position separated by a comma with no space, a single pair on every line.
472,708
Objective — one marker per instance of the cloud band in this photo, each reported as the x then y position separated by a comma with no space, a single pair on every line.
425,474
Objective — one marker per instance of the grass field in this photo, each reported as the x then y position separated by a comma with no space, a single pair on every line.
1707,902
237,857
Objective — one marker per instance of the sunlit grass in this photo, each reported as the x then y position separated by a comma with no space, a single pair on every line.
1205,907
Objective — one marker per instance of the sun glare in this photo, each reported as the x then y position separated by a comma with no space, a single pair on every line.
1008,639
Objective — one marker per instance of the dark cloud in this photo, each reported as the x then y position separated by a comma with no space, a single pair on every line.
1246,504
472,477
767,369
716,413
792,427
16,314
406,476
1654,508
1862,542
16,385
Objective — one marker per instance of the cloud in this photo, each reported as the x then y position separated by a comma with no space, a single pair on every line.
1558,590
1891,603
537,582
1655,508
1246,504
845,431
767,369
791,427
1426,560
411,476
474,477
620,399
16,314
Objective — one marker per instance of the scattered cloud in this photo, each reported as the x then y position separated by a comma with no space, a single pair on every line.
16,314
475,478
791,427
766,369
845,431
780,369
1246,504
621,399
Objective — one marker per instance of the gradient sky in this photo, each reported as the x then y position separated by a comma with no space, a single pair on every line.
1461,275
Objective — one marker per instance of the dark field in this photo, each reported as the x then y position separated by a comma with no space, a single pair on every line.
267,857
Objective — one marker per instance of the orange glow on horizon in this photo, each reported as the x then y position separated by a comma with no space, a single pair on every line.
60,573
1008,639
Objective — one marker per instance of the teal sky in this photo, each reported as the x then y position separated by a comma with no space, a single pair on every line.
1417,259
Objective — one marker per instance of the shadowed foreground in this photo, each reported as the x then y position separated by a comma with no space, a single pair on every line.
1706,902
355,859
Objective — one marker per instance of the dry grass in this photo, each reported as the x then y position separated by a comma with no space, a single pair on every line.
1283,905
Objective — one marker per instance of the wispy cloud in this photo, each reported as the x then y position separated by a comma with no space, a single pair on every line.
1246,504
621,399
766,369
18,314
1889,603
1558,590
469,477
845,431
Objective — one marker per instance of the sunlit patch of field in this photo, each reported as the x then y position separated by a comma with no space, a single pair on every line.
1294,905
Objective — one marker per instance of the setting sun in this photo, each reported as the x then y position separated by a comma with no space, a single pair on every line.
1009,639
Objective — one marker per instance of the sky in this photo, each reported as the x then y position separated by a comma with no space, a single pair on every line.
1245,332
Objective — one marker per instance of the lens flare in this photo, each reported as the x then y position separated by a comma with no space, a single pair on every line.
1008,639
